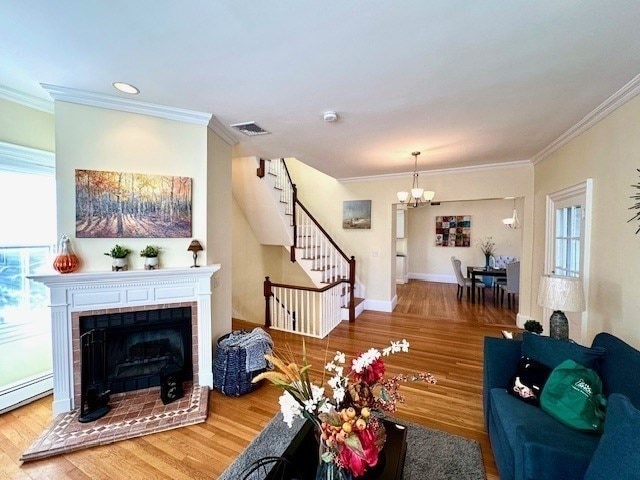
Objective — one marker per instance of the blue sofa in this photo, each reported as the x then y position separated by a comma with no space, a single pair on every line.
527,443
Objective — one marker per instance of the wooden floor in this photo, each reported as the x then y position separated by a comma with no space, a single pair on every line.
446,338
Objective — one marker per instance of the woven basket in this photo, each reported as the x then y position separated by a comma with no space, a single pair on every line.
230,375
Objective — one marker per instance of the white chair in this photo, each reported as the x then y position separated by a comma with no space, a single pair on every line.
513,284
465,282
499,262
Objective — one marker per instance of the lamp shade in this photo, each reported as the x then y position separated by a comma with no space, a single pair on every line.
561,293
403,196
194,246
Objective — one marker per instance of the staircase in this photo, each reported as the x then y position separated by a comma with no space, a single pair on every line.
337,295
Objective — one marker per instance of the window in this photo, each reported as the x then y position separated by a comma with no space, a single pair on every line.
27,190
567,241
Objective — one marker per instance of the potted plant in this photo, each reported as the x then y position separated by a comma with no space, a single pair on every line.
533,326
150,255
118,255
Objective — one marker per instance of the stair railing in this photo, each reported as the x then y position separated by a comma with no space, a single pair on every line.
306,311
309,236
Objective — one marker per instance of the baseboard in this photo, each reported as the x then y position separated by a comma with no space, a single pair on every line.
20,394
380,305
433,277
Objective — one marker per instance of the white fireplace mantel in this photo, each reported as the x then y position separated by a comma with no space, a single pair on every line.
78,292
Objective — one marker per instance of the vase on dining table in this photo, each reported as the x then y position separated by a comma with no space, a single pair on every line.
487,260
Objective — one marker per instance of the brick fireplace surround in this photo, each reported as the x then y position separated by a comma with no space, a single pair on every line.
133,413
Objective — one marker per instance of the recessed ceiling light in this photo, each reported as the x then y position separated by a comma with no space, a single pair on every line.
126,88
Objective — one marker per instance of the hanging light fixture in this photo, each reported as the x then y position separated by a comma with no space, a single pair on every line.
419,196
512,222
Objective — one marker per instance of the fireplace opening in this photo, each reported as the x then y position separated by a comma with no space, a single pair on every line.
139,347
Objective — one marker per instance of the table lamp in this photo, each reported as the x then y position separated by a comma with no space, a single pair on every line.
561,294
195,247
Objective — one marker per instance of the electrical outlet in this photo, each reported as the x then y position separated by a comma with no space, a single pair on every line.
375,253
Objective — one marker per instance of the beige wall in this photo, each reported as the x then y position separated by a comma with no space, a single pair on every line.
429,262
28,127
252,262
609,153
374,249
102,139
218,218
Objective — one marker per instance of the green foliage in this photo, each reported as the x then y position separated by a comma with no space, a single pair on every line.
533,326
118,252
150,251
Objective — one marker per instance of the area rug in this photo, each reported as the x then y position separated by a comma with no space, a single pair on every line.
431,454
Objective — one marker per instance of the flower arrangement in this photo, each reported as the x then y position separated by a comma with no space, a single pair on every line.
349,424
487,246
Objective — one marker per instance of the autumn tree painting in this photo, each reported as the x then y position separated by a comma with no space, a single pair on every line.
132,205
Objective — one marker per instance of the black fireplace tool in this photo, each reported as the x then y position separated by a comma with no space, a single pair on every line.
94,396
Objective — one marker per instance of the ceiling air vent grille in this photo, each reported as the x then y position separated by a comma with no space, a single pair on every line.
250,128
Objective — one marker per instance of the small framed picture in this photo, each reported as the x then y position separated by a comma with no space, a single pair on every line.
356,214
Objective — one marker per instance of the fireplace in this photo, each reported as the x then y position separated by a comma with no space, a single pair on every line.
151,319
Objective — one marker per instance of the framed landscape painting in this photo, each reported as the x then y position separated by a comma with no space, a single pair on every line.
453,231
132,205
356,214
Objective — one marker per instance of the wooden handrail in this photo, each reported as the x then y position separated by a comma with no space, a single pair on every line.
324,232
298,287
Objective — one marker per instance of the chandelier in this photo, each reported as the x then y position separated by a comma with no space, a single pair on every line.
419,196
512,222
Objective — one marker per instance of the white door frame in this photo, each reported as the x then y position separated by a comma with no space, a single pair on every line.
583,188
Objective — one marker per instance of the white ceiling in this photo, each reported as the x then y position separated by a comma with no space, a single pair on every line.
465,82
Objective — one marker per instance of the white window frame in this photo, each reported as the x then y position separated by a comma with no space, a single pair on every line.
16,158
583,188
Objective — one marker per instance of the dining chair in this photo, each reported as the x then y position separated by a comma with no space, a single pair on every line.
500,261
512,286
464,282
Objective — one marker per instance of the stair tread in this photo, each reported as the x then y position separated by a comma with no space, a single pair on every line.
357,301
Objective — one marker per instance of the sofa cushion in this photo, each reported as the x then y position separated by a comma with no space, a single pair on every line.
528,380
552,352
617,454
541,446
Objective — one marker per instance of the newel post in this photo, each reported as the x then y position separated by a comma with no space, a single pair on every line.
260,171
352,288
267,299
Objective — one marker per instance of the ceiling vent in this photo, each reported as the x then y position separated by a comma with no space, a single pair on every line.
250,128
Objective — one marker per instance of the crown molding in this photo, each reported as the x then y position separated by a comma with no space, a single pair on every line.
221,130
622,96
92,99
440,171
16,158
25,99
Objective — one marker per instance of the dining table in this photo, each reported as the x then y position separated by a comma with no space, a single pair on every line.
473,272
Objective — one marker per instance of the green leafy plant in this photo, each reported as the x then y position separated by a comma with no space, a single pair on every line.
150,251
533,326
487,246
118,252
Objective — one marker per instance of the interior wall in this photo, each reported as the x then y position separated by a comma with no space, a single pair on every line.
25,126
433,263
252,262
609,153
374,249
219,241
101,139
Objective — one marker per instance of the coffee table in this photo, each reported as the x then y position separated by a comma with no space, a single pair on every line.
302,455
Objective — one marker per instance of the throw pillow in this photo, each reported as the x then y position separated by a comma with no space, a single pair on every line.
528,381
552,352
617,453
